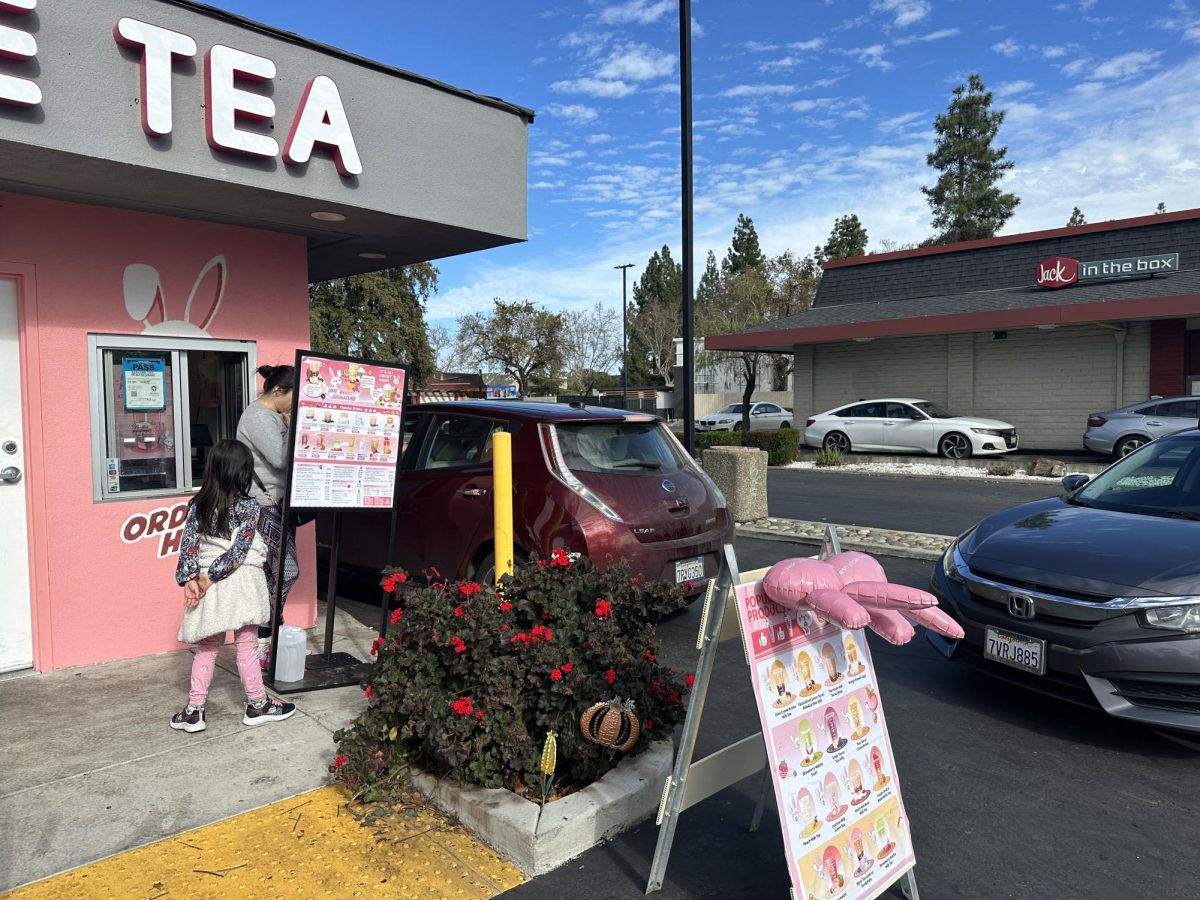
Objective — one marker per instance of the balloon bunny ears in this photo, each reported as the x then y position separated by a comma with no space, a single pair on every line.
852,590
145,300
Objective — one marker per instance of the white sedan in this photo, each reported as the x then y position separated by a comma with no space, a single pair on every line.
762,415
904,426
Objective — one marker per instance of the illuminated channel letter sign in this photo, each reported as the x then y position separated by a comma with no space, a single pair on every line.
18,44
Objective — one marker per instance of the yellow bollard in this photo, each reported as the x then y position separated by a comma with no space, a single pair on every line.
502,497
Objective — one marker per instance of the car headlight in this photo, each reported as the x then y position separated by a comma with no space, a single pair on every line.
950,563
995,432
1173,618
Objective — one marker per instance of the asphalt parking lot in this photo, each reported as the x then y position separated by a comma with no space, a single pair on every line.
1010,794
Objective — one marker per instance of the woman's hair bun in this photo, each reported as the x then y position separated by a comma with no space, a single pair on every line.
266,371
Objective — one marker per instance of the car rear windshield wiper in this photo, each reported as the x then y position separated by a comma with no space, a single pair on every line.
637,464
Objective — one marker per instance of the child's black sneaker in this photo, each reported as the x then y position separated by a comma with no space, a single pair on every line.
190,719
270,711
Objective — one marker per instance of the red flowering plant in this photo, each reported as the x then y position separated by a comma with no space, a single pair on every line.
469,680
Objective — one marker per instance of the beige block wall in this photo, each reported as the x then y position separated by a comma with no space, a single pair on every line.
1044,382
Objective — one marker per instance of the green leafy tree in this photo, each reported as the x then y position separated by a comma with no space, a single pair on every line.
743,300
1076,219
1160,209
794,283
378,315
522,340
591,346
744,252
966,200
710,281
655,320
847,238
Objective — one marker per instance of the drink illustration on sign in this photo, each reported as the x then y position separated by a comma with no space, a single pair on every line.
804,672
777,676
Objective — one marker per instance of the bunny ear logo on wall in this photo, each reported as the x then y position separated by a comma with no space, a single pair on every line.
146,302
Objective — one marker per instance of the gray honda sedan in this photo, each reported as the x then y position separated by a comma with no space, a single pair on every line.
1093,596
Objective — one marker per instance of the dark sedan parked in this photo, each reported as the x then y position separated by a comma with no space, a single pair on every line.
1095,595
590,480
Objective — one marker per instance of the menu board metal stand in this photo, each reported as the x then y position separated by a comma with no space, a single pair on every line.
690,783
326,669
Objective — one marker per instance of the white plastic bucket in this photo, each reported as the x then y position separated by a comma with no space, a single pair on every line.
293,647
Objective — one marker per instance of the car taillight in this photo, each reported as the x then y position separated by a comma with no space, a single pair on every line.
809,423
1096,421
557,465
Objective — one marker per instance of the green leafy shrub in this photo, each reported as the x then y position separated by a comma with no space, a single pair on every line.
470,680
782,444
828,459
706,440
1001,469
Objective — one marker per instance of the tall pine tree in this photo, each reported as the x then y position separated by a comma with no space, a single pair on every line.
655,320
1076,218
744,253
847,238
966,200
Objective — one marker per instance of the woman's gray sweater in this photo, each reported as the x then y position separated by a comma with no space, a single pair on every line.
264,432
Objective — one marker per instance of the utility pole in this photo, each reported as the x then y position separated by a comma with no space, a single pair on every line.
685,137
624,338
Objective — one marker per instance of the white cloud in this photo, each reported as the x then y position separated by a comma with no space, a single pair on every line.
778,65
594,87
599,138
575,113
1007,47
1011,88
636,62
1183,19
905,12
871,57
1076,67
637,12
759,90
939,35
902,121
759,46
805,46
1127,65
1054,51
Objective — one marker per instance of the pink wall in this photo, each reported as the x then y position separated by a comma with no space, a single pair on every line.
96,597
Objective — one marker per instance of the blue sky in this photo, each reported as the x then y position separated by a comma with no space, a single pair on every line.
804,110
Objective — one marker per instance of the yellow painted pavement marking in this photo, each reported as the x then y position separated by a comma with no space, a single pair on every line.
307,846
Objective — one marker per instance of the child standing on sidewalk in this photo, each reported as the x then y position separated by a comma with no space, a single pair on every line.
220,569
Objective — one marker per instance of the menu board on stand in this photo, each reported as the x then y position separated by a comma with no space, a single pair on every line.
829,755
346,441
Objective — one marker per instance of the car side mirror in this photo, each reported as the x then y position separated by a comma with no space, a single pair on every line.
1072,483
917,417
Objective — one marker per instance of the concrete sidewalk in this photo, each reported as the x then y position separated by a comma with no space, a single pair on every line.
93,768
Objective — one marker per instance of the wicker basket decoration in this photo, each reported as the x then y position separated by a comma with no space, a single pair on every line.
611,725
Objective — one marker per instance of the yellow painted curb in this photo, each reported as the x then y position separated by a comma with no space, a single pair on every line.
308,846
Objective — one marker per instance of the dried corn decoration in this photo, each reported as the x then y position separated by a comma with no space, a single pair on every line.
549,754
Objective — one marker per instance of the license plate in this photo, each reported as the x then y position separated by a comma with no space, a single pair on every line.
689,569
1025,653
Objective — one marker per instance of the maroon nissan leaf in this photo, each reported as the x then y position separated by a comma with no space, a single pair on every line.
601,482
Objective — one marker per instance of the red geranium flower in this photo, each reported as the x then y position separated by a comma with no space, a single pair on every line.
463,706
603,609
505,606
479,713
610,676
467,588
339,762
567,667
689,680
559,558
369,691
397,615
649,656
556,675
648,725
458,644
375,645
545,616
393,581
458,612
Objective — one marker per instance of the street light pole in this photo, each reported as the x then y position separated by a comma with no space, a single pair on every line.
685,139
624,338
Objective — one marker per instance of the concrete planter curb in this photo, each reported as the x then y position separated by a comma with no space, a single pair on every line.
878,542
537,840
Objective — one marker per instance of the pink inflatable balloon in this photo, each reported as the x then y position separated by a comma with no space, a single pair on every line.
889,596
891,626
854,566
936,620
837,607
791,581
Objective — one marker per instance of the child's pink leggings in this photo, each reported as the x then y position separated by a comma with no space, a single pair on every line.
246,641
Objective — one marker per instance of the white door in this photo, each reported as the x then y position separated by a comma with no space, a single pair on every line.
902,430
16,629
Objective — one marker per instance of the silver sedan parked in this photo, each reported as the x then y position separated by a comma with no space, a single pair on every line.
762,415
1121,431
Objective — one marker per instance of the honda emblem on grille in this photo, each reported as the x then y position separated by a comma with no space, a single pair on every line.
1020,606
668,486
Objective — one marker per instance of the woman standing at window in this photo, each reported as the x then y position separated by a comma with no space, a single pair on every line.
263,428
